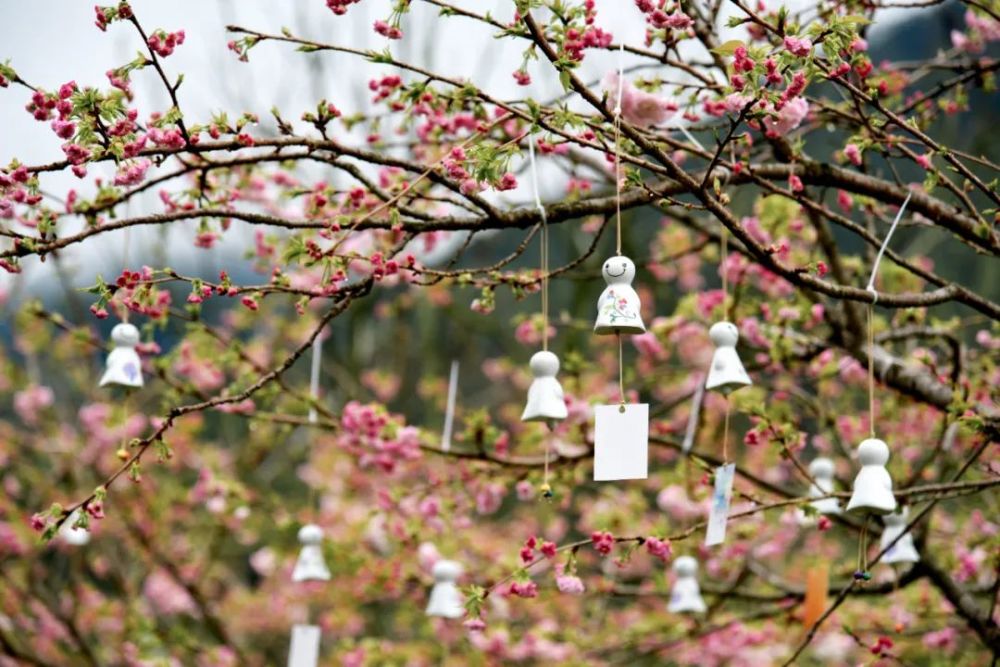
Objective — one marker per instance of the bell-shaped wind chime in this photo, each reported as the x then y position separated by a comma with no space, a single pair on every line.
123,365
821,470
726,374
446,600
545,395
685,596
621,432
872,492
897,541
310,566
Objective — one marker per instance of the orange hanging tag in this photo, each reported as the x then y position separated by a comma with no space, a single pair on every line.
817,585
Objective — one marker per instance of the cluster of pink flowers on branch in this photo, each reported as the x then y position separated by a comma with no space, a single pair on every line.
376,437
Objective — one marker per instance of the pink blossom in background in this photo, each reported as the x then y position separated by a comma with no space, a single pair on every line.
570,584
166,595
638,107
674,500
489,497
29,402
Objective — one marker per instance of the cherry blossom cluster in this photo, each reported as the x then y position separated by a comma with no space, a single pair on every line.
376,437
163,43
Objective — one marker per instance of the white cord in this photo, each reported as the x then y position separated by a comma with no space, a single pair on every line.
881,251
534,176
690,137
621,78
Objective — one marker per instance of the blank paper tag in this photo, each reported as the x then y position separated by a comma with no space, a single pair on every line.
817,585
621,442
305,646
721,496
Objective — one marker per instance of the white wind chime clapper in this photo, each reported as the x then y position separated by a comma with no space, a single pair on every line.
449,413
621,432
546,400
310,566
871,492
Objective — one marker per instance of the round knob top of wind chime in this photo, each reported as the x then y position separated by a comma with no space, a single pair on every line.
446,570
310,534
821,468
686,566
618,270
125,335
724,334
544,364
873,452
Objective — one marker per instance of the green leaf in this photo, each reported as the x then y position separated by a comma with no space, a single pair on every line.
564,79
729,48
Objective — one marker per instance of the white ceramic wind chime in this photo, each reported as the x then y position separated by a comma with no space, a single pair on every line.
897,542
872,489
446,600
310,566
685,596
546,402
621,432
821,470
123,366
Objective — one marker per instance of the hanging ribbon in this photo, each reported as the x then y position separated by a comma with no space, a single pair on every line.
544,242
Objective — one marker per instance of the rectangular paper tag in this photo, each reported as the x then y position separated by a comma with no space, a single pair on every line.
721,496
305,646
817,585
621,442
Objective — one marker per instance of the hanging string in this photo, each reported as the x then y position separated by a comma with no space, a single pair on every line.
618,174
545,477
725,434
125,248
724,254
126,410
544,242
870,288
621,375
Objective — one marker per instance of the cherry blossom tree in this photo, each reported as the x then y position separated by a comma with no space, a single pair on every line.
762,153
